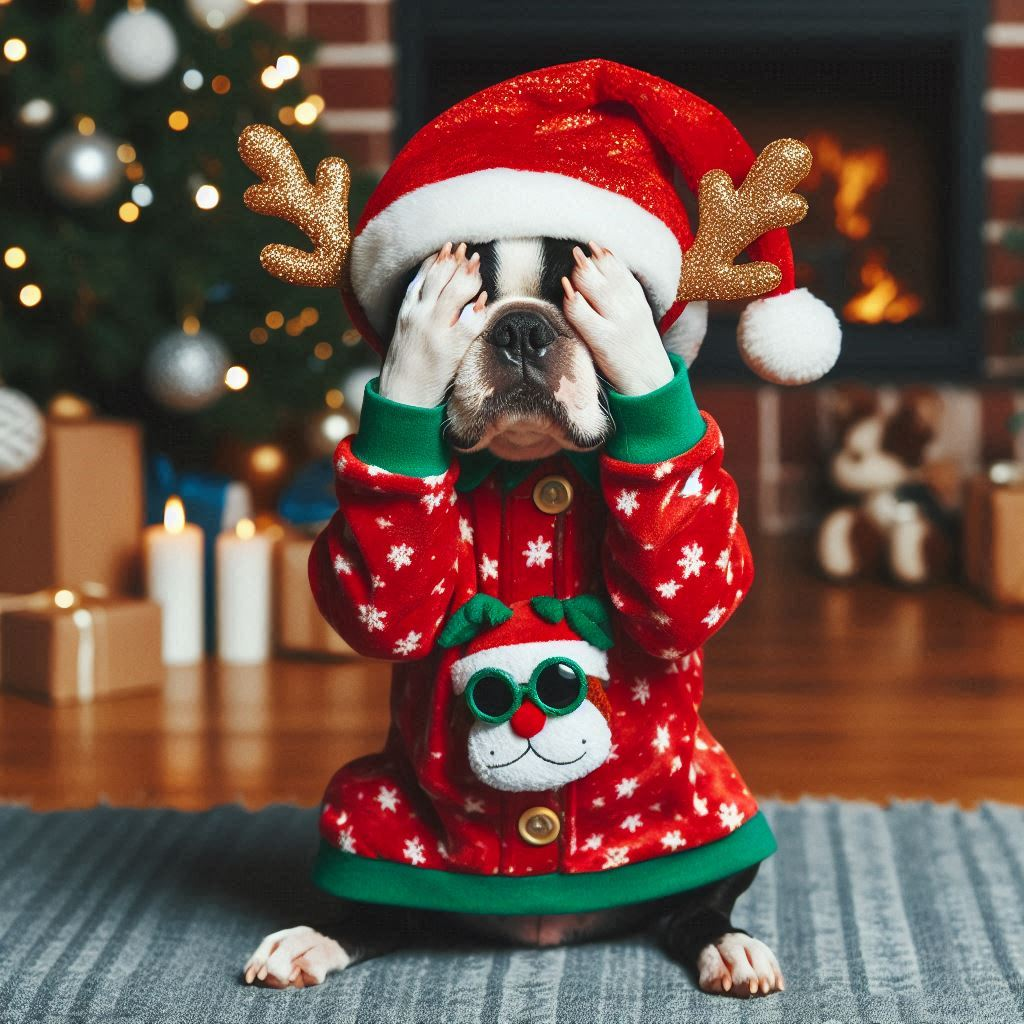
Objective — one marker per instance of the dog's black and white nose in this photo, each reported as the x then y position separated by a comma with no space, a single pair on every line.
522,334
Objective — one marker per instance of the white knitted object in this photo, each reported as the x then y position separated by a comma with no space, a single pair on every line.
22,434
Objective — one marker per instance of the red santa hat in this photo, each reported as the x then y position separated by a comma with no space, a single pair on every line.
580,151
519,638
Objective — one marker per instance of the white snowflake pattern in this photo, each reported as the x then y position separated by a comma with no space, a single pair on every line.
616,856
677,764
465,530
641,691
631,823
662,470
692,561
668,589
714,616
625,787
488,568
387,797
712,496
378,471
723,560
408,643
340,463
730,816
473,806
346,843
372,618
413,851
673,840
613,754
627,502
616,599
400,555
670,653
661,739
661,618
342,566
435,481
383,522
442,850
598,801
693,486
377,581
538,552
700,806
432,500
593,842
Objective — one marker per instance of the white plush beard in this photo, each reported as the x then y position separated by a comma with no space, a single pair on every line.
502,759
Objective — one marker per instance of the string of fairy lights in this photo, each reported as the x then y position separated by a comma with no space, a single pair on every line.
86,159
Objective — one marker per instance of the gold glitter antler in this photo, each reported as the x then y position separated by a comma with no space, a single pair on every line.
730,219
318,209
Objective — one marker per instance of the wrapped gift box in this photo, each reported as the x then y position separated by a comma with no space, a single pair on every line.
299,626
64,648
77,515
994,535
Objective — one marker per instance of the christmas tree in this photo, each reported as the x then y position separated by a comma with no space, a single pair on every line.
131,274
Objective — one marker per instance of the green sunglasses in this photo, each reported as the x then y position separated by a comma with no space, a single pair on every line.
557,686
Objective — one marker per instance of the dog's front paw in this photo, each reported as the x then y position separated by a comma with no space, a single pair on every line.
437,322
294,958
607,306
739,965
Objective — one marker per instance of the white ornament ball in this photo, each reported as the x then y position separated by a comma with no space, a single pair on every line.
353,386
22,434
217,14
185,372
141,46
82,169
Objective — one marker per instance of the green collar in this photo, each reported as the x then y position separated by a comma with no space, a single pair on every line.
476,467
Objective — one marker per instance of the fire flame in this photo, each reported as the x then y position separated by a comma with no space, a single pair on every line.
174,515
858,174
881,298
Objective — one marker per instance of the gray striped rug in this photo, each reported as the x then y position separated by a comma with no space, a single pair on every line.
913,913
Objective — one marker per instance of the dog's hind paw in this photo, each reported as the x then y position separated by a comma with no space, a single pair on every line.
739,965
294,958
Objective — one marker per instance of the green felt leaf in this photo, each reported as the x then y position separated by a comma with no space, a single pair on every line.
480,613
589,618
550,609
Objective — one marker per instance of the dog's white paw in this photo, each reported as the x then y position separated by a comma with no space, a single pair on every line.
739,965
294,958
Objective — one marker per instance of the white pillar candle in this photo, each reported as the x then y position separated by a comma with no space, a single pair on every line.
174,579
243,594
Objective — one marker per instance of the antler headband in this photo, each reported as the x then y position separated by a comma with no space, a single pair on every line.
319,208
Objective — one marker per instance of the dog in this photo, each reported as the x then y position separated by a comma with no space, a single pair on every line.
523,336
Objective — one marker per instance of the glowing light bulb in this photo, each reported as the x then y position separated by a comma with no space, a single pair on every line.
305,112
15,257
207,197
15,49
287,66
177,120
128,212
271,78
31,295
63,599
236,377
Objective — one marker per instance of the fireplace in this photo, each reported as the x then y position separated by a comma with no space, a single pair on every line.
886,98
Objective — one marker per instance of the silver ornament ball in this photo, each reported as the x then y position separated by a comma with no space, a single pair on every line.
353,386
185,372
22,434
217,14
82,169
140,45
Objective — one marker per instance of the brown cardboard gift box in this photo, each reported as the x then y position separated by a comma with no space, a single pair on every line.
994,535
300,628
94,647
77,515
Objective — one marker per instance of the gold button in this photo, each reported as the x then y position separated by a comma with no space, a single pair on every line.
539,826
553,494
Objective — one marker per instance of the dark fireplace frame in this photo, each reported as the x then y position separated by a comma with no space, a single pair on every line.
882,352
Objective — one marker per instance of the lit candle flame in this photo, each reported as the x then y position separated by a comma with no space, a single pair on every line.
174,515
245,529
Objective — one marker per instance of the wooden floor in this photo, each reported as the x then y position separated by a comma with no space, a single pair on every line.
862,691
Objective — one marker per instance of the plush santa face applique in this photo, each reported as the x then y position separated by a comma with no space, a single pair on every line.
532,679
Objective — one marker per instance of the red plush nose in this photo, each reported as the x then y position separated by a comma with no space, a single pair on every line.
528,720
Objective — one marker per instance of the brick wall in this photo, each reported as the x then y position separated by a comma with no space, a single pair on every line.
778,438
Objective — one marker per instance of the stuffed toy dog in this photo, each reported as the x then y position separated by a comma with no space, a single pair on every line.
527,270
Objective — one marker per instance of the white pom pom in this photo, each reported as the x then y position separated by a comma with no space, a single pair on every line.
22,435
685,336
789,339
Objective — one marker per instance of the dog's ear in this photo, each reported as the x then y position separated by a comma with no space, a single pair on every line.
913,425
852,403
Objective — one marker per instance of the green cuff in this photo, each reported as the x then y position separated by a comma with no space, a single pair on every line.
657,426
402,439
